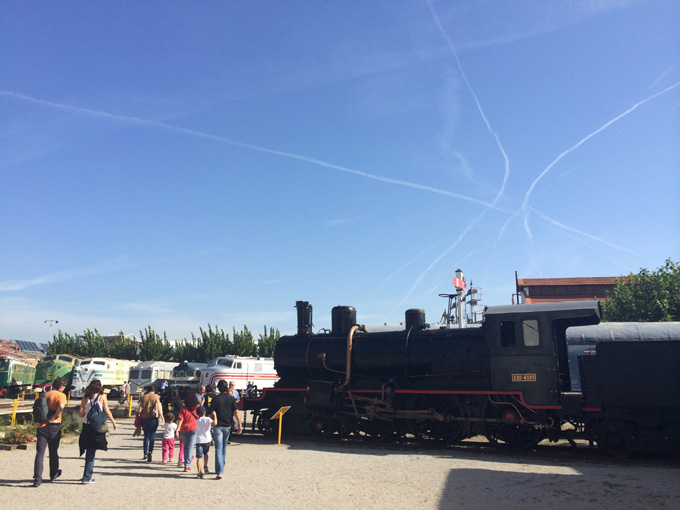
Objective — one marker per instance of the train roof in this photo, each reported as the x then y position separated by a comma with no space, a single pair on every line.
153,364
624,331
588,310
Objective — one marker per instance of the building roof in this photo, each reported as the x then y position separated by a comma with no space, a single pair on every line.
594,280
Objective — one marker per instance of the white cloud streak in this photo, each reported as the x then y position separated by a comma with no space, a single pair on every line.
527,196
138,121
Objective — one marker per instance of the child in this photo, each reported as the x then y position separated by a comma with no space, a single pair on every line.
204,438
169,437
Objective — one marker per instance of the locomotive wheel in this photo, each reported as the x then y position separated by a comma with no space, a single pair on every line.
433,430
322,426
264,423
510,433
345,426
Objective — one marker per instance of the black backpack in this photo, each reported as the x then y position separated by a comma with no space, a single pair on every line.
41,412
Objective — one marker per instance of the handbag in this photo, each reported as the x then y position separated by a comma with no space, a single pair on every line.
138,419
96,416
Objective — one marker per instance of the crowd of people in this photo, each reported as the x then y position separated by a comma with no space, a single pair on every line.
204,417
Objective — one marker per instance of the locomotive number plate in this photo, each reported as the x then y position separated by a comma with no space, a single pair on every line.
523,377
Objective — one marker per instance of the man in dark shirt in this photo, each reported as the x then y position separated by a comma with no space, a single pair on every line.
226,408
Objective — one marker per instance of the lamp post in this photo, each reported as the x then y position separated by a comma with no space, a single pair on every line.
51,321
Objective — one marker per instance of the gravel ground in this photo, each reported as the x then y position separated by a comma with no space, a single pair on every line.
302,474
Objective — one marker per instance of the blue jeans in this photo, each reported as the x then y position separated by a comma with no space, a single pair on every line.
189,440
89,464
149,426
221,438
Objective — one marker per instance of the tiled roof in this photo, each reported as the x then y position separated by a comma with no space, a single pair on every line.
529,299
595,280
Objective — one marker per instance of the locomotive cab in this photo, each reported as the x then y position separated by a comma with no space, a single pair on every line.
528,350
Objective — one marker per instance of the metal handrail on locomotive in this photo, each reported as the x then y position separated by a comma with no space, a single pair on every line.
508,379
259,372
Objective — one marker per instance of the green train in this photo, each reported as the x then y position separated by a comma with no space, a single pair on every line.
53,366
15,375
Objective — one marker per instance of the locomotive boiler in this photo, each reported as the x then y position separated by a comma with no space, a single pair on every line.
508,380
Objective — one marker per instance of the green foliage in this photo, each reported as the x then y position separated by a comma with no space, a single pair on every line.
152,347
124,349
267,342
645,296
213,344
244,344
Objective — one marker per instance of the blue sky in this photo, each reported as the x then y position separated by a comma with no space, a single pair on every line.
182,164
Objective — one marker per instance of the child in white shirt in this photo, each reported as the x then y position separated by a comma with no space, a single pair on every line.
169,437
204,438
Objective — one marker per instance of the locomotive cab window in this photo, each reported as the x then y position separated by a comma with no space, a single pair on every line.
238,365
508,334
530,333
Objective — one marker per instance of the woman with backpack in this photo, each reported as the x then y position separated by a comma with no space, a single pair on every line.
94,410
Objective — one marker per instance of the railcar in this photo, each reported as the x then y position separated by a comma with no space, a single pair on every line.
147,372
16,374
510,380
111,372
259,372
187,374
53,366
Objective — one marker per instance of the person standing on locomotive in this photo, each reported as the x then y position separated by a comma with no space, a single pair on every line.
49,433
225,407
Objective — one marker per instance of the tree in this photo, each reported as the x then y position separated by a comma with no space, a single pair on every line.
244,344
645,296
213,343
186,350
124,349
152,347
267,342
94,345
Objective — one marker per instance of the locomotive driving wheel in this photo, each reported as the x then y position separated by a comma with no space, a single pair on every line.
506,429
442,426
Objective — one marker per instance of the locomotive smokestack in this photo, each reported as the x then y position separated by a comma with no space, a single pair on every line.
304,317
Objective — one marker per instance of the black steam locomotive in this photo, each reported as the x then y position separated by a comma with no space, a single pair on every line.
508,380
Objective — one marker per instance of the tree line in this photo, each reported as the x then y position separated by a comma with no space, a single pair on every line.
151,346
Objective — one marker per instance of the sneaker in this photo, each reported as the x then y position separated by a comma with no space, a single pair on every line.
200,475
218,477
55,475
187,469
149,459
206,471
180,464
88,482
36,484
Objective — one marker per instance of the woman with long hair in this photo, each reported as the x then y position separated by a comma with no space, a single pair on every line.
92,439
151,413
187,429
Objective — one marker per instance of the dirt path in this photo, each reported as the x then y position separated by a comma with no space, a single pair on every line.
300,474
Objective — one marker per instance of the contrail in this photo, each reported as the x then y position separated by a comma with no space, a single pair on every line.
506,175
138,121
527,196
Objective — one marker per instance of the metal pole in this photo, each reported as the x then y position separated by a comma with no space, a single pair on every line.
51,321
